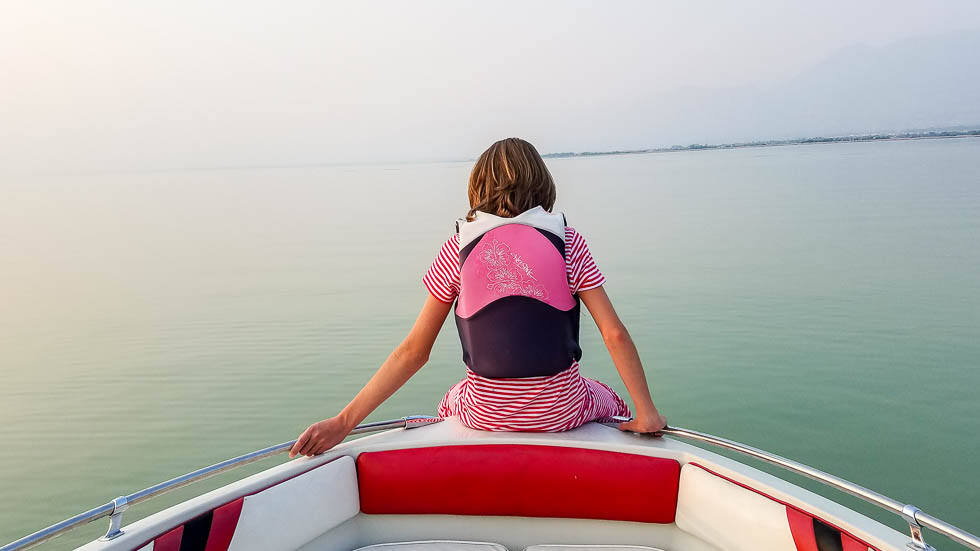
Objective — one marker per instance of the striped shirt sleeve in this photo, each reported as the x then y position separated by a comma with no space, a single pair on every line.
583,274
442,277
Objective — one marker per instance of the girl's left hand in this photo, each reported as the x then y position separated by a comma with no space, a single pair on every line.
320,437
648,424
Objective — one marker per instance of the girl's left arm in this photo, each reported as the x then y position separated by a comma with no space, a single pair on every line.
407,358
627,361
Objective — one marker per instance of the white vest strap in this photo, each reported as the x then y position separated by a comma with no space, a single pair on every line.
484,222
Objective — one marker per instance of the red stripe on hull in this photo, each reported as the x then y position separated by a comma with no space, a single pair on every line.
169,541
223,525
801,525
851,544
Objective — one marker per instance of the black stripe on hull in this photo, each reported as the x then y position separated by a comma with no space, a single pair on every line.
195,537
828,538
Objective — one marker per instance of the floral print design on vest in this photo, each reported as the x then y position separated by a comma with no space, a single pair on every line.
508,273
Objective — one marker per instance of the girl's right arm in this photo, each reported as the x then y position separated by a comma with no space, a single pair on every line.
403,362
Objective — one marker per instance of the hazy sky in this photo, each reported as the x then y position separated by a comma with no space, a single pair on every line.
132,85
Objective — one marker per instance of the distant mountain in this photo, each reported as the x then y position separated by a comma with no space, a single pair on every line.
915,83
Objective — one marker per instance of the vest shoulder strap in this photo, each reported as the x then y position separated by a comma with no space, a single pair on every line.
483,222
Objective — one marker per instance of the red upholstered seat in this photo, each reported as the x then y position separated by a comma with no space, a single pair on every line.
519,480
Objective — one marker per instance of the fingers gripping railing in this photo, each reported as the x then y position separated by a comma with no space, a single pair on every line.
115,508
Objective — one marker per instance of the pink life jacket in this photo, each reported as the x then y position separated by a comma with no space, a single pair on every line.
515,313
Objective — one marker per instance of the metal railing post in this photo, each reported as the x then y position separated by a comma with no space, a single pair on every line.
119,505
918,541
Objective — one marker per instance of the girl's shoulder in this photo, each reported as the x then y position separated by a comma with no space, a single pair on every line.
573,240
451,245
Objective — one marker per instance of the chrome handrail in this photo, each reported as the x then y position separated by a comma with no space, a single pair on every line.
913,515
115,508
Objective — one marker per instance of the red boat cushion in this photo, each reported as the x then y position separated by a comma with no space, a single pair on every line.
519,480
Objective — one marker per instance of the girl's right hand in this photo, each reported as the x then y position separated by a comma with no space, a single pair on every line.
320,437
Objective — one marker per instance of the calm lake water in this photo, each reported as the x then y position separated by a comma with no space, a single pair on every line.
821,302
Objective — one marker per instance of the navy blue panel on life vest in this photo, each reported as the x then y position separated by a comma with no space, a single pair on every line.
520,337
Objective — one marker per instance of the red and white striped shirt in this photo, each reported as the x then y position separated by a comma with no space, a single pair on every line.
541,404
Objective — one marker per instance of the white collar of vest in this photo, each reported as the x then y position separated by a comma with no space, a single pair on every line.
484,222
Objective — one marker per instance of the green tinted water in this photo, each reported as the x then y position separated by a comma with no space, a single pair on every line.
821,302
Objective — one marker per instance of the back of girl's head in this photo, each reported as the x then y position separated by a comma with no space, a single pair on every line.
510,178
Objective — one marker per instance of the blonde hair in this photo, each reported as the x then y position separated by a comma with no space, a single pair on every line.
509,178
